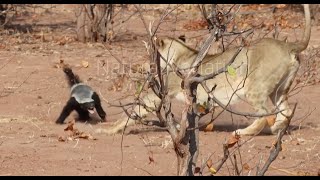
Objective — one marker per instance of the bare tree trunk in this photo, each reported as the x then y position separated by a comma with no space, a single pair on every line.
101,22
186,140
3,14
194,144
81,21
106,24
183,157
94,22
187,150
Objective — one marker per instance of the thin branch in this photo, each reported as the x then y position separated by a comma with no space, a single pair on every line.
19,84
121,145
5,64
163,17
246,114
226,154
203,51
221,70
277,148
236,169
205,163
117,59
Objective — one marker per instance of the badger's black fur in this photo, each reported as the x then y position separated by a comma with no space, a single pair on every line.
82,99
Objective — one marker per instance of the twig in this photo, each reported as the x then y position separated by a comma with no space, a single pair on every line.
236,169
116,58
76,143
123,21
204,164
227,153
121,145
143,170
19,84
35,125
225,156
304,117
5,64
277,148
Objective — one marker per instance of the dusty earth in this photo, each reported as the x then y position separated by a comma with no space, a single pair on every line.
34,91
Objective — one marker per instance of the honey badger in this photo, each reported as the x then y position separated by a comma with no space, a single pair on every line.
82,99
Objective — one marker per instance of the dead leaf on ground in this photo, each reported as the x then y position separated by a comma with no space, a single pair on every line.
75,133
85,64
61,139
233,140
60,64
209,163
197,170
246,167
209,127
84,135
303,173
69,127
151,160
64,40
213,170
295,142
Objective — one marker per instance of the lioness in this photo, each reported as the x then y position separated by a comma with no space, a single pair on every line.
265,69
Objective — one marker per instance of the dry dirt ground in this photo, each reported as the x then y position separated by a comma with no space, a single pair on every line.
34,90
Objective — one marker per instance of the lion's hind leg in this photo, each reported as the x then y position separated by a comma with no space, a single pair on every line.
259,102
279,98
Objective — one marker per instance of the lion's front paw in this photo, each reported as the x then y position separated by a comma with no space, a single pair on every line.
243,132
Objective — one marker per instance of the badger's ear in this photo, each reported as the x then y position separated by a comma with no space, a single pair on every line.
182,38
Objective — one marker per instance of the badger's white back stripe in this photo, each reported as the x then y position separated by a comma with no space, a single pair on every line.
82,93
76,85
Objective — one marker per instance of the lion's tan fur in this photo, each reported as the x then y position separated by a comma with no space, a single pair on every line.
264,70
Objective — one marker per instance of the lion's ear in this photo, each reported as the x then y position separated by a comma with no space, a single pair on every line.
159,42
182,38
